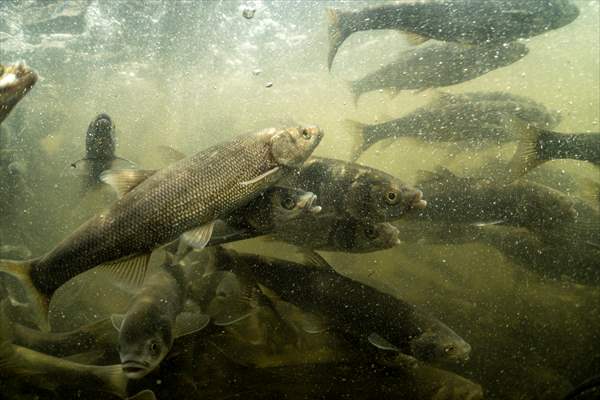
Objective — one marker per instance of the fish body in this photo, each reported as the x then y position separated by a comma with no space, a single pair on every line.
439,65
332,234
50,372
100,144
148,328
15,82
539,145
463,21
356,310
526,204
350,190
185,197
473,119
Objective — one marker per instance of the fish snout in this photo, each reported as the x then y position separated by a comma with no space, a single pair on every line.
135,369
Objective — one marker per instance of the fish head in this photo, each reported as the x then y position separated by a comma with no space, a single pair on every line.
15,82
383,198
290,203
290,147
376,236
439,342
144,341
100,139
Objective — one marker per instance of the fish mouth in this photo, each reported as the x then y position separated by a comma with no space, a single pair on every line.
306,203
135,369
17,77
418,202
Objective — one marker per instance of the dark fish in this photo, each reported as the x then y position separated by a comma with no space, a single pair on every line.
100,146
483,201
589,387
15,82
539,145
333,234
361,313
154,318
349,190
463,21
472,119
50,372
438,65
183,198
268,212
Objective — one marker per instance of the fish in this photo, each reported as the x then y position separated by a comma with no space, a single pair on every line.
462,21
100,143
454,199
584,389
332,234
15,82
359,312
268,212
473,119
51,372
438,65
538,146
156,207
154,318
350,190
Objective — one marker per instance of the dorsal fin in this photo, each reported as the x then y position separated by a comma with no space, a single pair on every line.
124,180
189,322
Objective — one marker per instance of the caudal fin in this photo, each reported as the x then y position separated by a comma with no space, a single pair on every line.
336,35
526,156
113,378
356,131
37,303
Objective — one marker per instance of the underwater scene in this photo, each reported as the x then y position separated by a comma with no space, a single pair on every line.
253,199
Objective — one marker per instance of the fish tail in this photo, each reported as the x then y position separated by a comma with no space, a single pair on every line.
526,156
337,34
114,378
356,131
37,301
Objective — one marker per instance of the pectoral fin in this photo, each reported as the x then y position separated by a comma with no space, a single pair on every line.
124,180
190,322
127,273
260,177
199,237
414,39
381,343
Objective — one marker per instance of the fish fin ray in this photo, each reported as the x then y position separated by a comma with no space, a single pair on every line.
124,180
415,39
336,35
128,272
526,157
124,163
314,259
114,378
356,131
117,321
199,237
187,323
260,177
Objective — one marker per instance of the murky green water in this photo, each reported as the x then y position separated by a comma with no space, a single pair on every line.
192,74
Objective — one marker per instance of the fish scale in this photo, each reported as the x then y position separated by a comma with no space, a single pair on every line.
183,196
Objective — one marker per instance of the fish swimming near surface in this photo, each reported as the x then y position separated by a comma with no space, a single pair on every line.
15,82
352,190
359,312
156,207
100,143
463,21
154,318
474,119
538,145
438,65
333,234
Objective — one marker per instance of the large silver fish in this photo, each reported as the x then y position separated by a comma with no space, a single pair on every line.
15,82
157,207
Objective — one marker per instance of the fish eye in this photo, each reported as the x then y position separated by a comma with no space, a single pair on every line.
306,134
391,197
154,348
370,232
288,203
449,349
